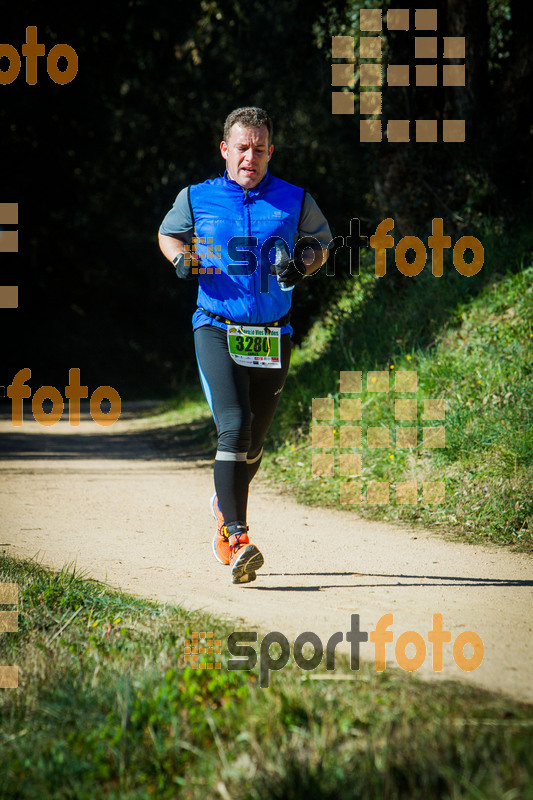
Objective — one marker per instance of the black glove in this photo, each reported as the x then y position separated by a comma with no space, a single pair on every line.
182,270
289,272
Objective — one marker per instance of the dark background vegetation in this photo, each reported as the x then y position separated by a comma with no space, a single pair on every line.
95,165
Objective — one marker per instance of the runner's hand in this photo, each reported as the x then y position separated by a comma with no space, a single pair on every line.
182,270
289,274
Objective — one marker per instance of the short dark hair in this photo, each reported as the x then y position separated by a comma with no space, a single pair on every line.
248,117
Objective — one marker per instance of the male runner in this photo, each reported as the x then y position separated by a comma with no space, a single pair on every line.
241,326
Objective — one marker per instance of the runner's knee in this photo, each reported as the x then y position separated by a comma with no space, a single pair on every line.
254,454
235,435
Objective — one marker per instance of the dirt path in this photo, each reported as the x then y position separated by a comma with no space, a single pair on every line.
107,499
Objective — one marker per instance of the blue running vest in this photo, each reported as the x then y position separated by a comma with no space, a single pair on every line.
236,232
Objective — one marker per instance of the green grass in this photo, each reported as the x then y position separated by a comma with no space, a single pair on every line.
107,708
469,341
479,361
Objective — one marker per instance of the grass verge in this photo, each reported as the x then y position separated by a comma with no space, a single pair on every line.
469,340
106,707
479,363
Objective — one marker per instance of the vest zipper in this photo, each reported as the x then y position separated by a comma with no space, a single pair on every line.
248,226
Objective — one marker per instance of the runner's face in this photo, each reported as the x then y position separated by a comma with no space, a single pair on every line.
247,154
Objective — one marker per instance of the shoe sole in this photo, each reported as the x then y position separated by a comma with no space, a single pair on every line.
224,563
250,560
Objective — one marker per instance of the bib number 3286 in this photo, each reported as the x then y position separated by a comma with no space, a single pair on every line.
254,347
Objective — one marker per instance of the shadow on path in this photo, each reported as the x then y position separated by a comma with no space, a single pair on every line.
405,580
186,442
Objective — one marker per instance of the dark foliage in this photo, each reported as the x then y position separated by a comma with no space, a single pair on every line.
95,164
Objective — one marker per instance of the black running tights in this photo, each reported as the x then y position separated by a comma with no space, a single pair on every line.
243,401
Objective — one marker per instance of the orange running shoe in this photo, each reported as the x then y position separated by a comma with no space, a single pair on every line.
244,557
220,540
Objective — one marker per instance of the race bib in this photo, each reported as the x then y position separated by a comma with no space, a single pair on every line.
254,347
